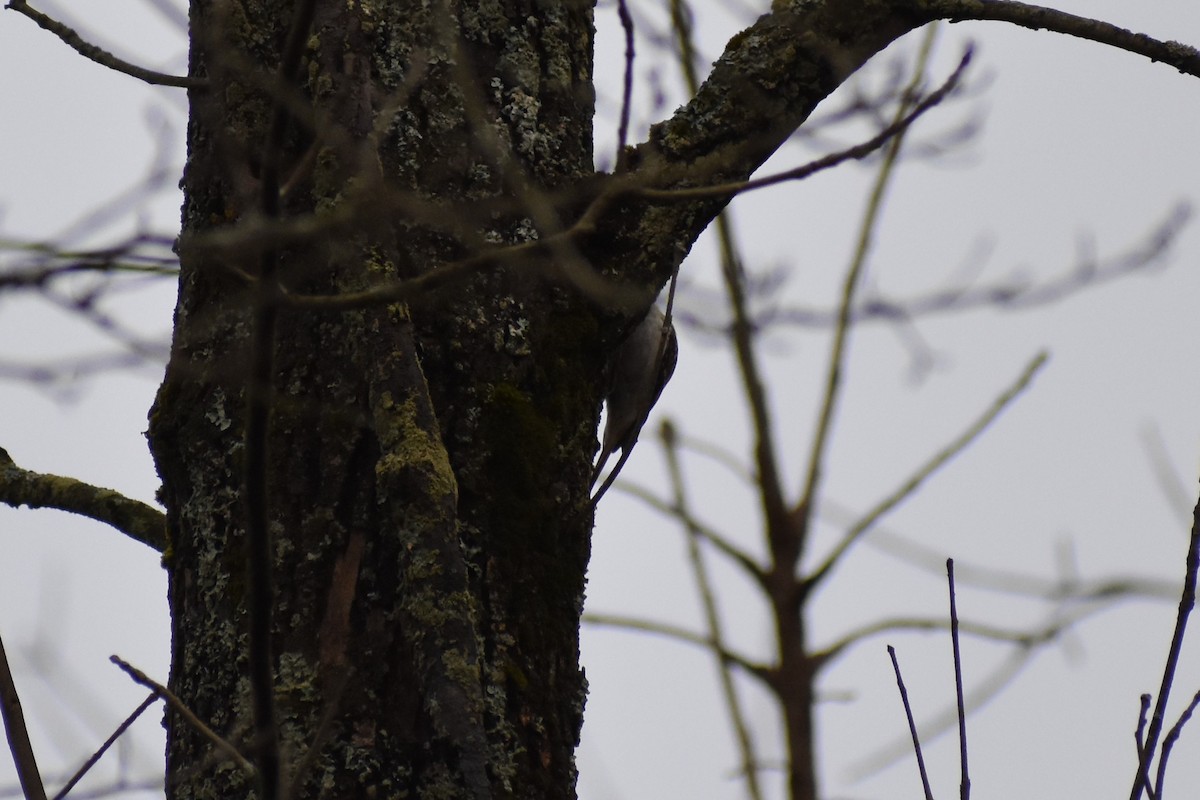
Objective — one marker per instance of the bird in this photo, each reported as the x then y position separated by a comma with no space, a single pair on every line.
637,374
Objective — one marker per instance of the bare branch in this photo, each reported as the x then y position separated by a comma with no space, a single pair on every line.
135,519
663,629
719,454
99,55
909,551
259,397
1187,602
964,787
627,85
53,374
173,700
18,735
710,534
1170,739
712,617
1139,736
912,725
96,756
37,277
939,459
1023,638
1184,58
850,285
992,685
554,247
1165,475
898,126
1012,294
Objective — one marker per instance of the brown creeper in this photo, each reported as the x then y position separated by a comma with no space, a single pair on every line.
639,370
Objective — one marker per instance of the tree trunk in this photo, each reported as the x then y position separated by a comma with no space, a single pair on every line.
428,459
427,464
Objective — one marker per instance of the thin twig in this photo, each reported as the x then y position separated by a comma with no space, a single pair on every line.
96,756
1143,711
912,725
38,277
927,559
18,735
99,55
142,254
734,277
712,618
742,332
61,373
717,453
710,534
1023,638
840,344
681,26
936,462
627,87
1187,601
1029,643
182,710
269,232
681,635
1139,737
84,307
260,379
555,247
901,124
1013,294
1184,58
992,685
1165,474
964,786
1169,742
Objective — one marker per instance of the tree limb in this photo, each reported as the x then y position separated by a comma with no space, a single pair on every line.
100,55
1184,58
938,460
18,734
135,519
223,745
668,631
712,618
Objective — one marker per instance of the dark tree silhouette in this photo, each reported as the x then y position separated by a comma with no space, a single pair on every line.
401,281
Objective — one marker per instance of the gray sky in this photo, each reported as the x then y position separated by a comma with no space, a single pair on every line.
1080,143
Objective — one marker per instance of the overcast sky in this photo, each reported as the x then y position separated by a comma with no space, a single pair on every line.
1082,149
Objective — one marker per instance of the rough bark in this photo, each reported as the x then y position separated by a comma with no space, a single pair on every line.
427,462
